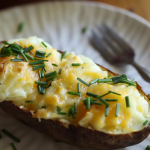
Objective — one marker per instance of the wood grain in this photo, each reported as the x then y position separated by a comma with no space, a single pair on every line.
140,7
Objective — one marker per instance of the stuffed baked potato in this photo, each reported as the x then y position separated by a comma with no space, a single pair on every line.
71,98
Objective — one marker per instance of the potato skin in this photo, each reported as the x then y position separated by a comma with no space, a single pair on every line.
76,135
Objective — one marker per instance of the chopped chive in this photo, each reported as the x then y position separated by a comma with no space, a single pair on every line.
117,109
82,81
104,102
39,88
76,64
88,103
92,94
44,69
84,29
114,93
111,100
94,81
40,54
40,75
61,113
106,111
104,80
28,49
24,55
58,108
21,27
78,87
104,94
127,101
6,43
148,147
14,54
109,76
13,146
75,108
40,82
44,86
11,135
43,106
71,112
73,93
29,56
60,70
84,100
55,65
44,44
39,66
129,82
16,60
36,62
145,123
48,54
42,90
50,74
17,56
118,79
63,55
29,101
51,78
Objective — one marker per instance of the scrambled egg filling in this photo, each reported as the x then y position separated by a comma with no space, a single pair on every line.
17,83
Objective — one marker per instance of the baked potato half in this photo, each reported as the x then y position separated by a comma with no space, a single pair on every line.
74,100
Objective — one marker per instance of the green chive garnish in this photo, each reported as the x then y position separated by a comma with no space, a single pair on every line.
24,55
88,103
117,109
55,65
82,81
78,87
36,62
73,93
60,70
40,54
75,108
94,81
63,55
39,66
148,147
103,102
28,49
51,78
48,54
104,80
11,135
84,29
40,82
145,123
58,108
127,101
61,113
76,64
95,102
29,101
29,56
13,146
16,60
114,93
92,94
17,56
40,75
111,100
43,106
21,27
50,74
44,44
106,111
71,112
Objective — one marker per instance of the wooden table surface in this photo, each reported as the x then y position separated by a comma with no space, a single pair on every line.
140,7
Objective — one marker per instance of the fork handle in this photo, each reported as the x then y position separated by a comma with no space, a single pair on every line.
142,71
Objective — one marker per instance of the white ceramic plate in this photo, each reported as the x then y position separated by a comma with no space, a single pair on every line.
60,24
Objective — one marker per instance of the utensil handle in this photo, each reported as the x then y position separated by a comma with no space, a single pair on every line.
142,71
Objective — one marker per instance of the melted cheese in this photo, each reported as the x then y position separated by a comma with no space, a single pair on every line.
17,83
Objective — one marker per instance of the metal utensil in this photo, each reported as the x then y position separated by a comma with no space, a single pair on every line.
115,50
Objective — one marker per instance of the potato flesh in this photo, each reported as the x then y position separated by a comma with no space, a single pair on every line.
18,84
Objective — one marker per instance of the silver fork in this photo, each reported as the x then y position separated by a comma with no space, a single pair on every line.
115,50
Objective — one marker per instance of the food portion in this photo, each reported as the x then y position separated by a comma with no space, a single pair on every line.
72,90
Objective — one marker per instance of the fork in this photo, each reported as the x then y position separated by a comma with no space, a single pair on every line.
114,49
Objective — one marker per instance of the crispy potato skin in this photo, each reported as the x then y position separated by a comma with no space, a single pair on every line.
76,135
